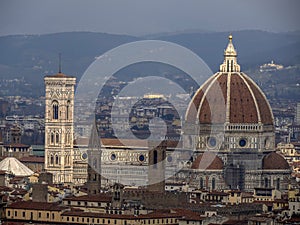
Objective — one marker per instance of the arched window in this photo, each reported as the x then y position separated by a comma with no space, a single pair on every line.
227,65
56,160
57,138
213,184
55,110
266,182
52,138
155,158
278,184
201,183
68,110
51,159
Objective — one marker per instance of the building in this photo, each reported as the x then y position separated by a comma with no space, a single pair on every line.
298,113
230,117
59,128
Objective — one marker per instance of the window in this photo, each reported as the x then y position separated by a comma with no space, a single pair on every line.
16,213
23,214
201,183
278,184
8,212
56,160
57,138
68,110
52,138
55,110
266,182
51,159
213,183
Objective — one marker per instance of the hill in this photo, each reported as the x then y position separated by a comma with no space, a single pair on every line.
30,57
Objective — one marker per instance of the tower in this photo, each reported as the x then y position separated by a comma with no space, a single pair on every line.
156,168
94,162
59,127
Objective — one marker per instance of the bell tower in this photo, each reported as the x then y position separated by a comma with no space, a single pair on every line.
59,126
157,167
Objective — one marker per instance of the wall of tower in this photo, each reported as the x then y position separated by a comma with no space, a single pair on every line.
59,128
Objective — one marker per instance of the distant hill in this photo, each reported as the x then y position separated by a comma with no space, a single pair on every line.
254,47
33,56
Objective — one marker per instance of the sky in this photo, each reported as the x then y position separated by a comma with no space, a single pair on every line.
140,17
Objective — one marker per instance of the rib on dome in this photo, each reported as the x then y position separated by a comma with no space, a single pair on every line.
229,96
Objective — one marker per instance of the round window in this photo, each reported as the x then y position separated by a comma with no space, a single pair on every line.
242,142
141,158
113,156
169,158
84,156
212,141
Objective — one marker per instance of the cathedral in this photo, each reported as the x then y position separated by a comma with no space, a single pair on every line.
229,125
228,132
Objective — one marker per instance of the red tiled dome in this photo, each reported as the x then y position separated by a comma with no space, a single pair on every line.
274,161
209,161
229,96
246,103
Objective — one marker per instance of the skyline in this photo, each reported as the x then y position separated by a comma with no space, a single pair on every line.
137,18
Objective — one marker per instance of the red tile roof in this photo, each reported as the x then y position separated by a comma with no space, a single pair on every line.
209,161
91,198
274,161
36,206
32,159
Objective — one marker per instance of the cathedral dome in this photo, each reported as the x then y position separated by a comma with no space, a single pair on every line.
208,161
229,96
274,161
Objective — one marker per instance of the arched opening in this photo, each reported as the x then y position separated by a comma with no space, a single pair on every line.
52,138
201,183
57,138
266,182
68,110
56,160
55,110
213,183
51,159
278,184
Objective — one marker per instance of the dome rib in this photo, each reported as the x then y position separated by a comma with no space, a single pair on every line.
190,114
229,96
253,97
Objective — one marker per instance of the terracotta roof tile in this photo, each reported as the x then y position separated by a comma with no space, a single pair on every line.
274,161
209,161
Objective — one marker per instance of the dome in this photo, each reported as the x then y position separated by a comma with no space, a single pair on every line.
274,161
14,166
208,161
229,96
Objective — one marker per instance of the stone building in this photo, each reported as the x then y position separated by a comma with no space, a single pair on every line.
59,127
229,117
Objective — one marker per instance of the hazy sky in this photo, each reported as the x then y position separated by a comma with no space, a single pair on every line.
146,16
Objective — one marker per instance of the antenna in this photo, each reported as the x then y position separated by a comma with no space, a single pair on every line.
59,63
